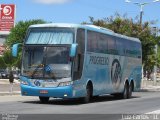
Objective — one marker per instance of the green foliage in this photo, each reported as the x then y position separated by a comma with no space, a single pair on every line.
131,27
2,63
17,35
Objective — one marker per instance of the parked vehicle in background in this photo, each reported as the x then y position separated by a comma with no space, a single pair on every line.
1,71
16,74
4,74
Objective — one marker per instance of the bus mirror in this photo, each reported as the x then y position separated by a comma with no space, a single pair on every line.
73,50
15,50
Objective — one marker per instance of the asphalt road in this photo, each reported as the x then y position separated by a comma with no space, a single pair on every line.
100,108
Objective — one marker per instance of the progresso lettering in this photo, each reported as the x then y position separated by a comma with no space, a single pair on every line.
99,60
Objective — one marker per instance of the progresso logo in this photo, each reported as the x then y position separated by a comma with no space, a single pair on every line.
116,74
37,83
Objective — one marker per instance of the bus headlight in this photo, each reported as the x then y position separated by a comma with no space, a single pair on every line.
24,82
65,83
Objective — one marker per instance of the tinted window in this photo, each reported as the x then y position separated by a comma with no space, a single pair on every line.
92,41
50,36
79,59
112,48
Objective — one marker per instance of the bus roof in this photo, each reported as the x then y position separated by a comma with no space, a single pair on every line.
88,27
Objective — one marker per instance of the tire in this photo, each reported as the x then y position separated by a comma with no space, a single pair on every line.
88,96
95,97
124,94
125,91
130,90
44,99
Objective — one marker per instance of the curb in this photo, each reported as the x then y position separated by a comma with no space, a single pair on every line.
8,93
149,89
6,81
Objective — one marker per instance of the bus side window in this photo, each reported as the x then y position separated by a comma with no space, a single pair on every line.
79,59
102,44
120,47
112,49
139,51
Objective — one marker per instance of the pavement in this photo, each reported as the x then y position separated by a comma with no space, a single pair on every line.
150,85
5,87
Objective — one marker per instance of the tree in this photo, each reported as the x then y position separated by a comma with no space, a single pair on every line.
131,27
17,35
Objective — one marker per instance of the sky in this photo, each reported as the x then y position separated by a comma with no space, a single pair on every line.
78,11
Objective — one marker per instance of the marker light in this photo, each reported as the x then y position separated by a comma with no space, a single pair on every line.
24,82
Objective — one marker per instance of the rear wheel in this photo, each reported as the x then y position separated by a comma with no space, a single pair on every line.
125,92
44,99
130,90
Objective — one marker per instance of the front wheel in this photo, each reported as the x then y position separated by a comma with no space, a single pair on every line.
44,99
88,96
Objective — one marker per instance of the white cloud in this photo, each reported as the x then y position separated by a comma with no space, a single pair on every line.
52,1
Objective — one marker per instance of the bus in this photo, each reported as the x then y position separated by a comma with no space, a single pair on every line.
78,61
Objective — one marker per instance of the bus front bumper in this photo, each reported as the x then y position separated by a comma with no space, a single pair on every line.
59,92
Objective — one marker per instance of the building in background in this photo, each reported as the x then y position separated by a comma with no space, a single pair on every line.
7,21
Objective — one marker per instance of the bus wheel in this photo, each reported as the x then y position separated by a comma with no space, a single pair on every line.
89,90
130,90
124,94
125,91
44,99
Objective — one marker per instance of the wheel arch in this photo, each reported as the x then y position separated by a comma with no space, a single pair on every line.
126,82
89,83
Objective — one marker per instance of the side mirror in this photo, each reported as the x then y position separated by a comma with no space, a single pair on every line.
73,50
15,49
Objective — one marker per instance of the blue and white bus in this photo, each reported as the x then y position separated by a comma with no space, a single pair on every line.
78,61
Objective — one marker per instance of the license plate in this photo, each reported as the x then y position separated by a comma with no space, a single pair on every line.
44,91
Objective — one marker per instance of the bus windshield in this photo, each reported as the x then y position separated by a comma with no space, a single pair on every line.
50,36
46,62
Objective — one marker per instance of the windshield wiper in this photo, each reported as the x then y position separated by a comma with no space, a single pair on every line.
40,65
52,76
35,70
